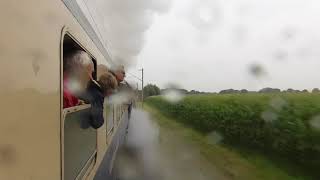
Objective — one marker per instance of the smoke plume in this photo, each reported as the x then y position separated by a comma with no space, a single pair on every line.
121,24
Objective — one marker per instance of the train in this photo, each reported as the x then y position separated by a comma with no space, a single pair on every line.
39,139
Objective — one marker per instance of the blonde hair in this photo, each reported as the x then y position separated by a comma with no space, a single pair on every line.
101,69
107,82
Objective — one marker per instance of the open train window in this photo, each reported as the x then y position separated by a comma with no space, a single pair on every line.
70,46
78,66
78,138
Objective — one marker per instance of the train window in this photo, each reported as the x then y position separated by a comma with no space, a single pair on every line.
119,114
79,139
115,114
110,119
79,142
70,45
78,65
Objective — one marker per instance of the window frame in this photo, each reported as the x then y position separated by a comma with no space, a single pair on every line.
91,162
109,132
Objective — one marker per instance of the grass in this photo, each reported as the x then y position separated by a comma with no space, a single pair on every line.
235,162
277,124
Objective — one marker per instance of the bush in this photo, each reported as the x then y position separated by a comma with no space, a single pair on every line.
275,123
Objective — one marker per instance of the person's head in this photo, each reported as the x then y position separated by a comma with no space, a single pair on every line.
79,66
119,73
108,83
101,69
87,65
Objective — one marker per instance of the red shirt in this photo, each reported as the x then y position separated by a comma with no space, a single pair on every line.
69,100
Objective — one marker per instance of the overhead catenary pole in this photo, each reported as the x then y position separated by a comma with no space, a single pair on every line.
142,85
142,82
137,92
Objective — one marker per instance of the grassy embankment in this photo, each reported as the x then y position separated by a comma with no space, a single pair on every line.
257,130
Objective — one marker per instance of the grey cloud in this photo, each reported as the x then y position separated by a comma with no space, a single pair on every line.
122,24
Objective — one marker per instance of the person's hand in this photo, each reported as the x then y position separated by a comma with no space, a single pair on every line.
81,102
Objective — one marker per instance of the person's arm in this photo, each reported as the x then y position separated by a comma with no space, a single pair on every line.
96,118
81,102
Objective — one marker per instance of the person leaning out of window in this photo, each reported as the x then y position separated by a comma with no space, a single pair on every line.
77,73
96,92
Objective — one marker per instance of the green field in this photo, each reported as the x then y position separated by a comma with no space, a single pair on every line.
277,125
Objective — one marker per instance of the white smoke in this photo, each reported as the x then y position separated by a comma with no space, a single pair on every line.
121,24
173,96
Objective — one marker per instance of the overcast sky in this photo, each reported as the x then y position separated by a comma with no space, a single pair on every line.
212,45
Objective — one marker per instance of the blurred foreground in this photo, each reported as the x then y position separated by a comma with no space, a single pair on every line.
159,148
153,153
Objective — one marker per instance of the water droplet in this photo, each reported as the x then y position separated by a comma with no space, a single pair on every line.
214,138
281,55
278,103
269,116
126,163
7,154
74,86
315,122
173,96
257,70
120,98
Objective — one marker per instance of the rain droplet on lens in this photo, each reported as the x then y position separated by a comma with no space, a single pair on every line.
289,33
278,103
214,138
269,116
315,122
119,98
281,55
8,154
173,96
257,70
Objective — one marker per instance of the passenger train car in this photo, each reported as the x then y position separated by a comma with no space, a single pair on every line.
39,140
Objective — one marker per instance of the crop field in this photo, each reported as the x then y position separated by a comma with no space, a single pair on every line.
284,124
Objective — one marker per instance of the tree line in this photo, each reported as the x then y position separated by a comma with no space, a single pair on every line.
269,90
154,90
